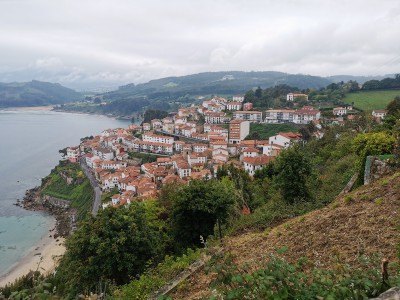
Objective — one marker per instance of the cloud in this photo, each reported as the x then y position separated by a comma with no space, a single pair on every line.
98,42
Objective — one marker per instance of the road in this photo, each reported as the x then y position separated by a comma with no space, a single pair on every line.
95,186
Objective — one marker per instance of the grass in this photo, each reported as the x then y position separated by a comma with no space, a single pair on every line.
370,100
264,131
79,192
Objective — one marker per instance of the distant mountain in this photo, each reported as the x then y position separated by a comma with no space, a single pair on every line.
359,79
160,93
215,83
35,93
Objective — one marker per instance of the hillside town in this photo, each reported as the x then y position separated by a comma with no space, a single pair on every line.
191,143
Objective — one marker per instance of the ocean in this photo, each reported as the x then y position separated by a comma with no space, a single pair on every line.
29,144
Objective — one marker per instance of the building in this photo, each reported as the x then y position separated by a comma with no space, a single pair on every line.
340,111
279,116
252,164
151,137
293,96
215,117
285,139
252,116
234,105
73,154
247,106
379,113
238,98
238,130
301,116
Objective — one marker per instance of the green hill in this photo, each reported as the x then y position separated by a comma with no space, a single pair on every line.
370,100
160,93
35,93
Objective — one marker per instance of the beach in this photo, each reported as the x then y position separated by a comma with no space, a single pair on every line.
33,108
43,257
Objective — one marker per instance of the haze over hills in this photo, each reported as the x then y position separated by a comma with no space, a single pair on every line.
157,92
35,93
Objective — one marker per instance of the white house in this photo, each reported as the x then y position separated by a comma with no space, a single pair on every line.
379,113
293,96
252,164
234,105
238,98
284,139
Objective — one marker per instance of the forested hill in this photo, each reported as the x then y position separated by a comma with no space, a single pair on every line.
35,93
215,83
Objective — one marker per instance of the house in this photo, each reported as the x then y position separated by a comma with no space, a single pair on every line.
238,98
276,116
250,152
151,137
272,149
103,153
285,139
379,113
252,164
215,117
339,111
247,106
198,148
182,167
73,154
306,115
156,124
293,96
234,105
146,126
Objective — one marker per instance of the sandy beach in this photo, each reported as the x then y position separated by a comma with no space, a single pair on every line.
45,254
34,108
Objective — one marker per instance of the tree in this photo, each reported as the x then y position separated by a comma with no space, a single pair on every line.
258,93
197,207
393,107
114,246
293,170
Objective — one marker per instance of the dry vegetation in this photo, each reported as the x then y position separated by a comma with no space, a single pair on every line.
364,222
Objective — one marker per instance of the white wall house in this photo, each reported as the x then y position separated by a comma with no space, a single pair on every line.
284,139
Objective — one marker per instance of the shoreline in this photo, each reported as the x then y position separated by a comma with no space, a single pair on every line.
43,256
31,108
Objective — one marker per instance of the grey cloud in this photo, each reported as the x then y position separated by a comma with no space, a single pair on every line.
103,42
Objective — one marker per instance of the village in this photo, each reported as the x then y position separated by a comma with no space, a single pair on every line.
192,143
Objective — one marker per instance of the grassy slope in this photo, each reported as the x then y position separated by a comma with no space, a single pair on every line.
363,222
266,130
372,99
79,193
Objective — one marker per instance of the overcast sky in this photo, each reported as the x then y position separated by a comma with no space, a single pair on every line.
92,42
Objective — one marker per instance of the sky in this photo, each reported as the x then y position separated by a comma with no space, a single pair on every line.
98,43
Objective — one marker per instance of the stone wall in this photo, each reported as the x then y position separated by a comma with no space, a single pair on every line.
375,168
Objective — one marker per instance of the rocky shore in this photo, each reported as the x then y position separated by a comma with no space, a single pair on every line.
65,216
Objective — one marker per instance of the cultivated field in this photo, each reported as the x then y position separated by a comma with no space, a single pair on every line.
372,99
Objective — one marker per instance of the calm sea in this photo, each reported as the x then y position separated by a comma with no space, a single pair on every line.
29,144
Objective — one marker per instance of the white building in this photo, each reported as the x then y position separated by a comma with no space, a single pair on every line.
284,139
151,137
293,96
234,105
238,98
252,116
379,113
238,130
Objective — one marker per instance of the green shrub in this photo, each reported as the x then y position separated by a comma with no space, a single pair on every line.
277,279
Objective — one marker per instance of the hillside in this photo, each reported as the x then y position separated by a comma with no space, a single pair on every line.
35,93
163,93
370,100
364,222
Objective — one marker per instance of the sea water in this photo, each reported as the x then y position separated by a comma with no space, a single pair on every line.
29,144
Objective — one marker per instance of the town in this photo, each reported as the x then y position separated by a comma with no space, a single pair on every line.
193,143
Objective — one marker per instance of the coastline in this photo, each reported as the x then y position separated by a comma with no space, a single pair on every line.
31,108
45,253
